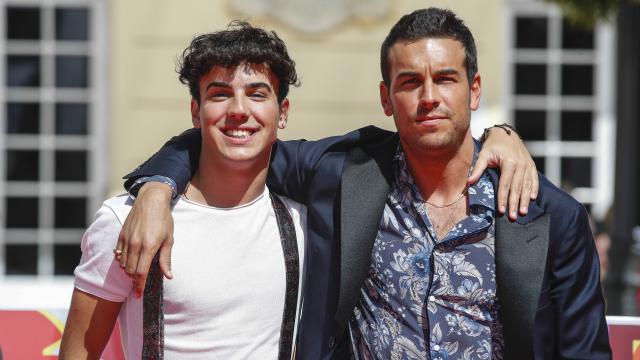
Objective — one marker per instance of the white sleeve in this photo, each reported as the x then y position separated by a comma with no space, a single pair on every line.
99,273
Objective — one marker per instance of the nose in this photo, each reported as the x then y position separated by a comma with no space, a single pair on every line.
430,97
238,110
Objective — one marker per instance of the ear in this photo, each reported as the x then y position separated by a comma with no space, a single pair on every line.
284,114
195,114
476,92
385,100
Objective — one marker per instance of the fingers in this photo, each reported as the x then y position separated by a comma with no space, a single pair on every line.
515,191
117,251
525,194
131,246
165,257
478,168
535,183
504,185
141,272
144,265
138,286
123,255
132,256
124,240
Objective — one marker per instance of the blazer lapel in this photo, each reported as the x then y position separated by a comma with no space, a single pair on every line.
521,257
366,180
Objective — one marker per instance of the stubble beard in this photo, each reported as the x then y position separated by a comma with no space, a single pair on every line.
438,144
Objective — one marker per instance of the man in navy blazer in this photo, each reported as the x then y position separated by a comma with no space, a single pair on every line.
464,282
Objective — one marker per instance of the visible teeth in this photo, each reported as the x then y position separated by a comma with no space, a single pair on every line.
237,133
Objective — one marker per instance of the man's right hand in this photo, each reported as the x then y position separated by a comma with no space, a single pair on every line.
148,227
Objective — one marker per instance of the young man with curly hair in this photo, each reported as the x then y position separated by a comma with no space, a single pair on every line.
239,248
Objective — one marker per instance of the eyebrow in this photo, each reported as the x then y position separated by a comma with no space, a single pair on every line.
446,71
255,85
406,74
217,84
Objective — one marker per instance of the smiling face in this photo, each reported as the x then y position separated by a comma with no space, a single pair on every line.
429,95
239,115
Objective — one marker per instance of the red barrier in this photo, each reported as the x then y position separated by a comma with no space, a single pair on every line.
624,337
26,334
37,334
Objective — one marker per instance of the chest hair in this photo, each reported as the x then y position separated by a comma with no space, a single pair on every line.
444,218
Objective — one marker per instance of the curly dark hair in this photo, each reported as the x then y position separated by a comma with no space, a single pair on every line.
430,23
239,43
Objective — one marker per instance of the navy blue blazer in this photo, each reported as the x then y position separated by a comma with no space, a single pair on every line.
546,263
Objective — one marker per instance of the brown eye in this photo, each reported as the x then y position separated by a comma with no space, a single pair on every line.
218,95
258,95
446,79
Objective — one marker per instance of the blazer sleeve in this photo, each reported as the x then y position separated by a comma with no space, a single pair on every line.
576,292
293,163
177,159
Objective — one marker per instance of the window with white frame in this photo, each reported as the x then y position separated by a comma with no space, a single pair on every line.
560,98
53,133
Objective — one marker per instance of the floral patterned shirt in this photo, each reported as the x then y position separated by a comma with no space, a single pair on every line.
424,297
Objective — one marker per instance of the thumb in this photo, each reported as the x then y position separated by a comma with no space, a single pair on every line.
478,168
165,257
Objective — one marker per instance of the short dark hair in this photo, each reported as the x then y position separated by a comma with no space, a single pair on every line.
240,43
430,23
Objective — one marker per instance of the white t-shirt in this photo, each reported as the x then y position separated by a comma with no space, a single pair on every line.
226,299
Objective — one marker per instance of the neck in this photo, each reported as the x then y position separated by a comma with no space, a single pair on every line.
441,176
225,185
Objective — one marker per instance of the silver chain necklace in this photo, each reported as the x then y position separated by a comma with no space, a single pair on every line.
464,191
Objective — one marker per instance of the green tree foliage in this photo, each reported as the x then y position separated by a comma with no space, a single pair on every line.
586,13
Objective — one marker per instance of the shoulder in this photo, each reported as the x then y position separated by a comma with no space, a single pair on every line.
556,201
374,131
103,232
98,273
362,136
568,219
565,212
119,206
107,221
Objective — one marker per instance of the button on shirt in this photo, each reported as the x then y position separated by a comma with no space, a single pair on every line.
425,298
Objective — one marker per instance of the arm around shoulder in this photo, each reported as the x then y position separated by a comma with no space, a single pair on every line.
176,160
294,163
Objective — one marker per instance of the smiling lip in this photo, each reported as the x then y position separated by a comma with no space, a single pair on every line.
238,135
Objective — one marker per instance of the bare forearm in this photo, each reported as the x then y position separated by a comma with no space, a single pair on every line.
89,326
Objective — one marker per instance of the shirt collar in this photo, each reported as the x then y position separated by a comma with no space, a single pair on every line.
480,194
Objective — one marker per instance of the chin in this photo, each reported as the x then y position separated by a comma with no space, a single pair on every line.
247,157
437,142
241,158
